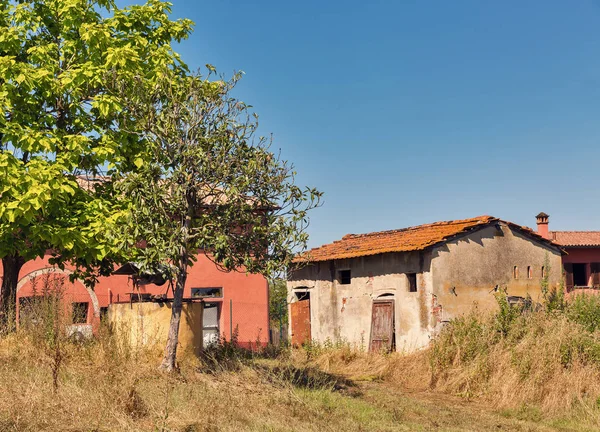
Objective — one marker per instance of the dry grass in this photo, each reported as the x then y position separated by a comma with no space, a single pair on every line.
540,369
105,386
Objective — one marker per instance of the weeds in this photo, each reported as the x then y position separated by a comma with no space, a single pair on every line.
518,356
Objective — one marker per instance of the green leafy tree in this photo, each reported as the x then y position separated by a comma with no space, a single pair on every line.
66,69
278,300
210,185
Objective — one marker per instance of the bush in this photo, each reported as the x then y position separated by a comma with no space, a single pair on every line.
585,310
518,355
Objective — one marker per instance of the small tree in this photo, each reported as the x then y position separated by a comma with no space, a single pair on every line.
60,118
209,185
278,300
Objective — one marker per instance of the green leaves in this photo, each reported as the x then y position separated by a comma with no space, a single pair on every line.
71,72
206,183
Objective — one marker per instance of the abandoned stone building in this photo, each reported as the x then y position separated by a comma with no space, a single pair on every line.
395,289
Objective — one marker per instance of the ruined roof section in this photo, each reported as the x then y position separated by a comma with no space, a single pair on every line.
576,238
401,240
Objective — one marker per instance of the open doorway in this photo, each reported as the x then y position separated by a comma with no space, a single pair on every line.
580,274
210,323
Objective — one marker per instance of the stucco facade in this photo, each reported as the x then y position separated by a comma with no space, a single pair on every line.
451,278
241,305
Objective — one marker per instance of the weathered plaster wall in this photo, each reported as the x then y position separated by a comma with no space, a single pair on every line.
343,312
466,270
146,324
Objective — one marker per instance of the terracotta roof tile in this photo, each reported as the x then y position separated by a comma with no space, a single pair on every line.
401,240
576,238
406,239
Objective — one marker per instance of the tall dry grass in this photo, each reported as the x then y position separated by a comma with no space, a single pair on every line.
547,357
550,358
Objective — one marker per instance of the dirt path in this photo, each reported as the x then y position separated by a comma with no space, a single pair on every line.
429,411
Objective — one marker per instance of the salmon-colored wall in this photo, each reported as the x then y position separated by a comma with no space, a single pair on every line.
582,255
247,294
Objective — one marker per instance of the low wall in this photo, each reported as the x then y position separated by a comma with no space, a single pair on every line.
148,323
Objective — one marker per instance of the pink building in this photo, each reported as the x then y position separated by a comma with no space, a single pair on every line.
582,261
233,301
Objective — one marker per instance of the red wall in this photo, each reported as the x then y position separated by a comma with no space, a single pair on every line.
583,255
246,294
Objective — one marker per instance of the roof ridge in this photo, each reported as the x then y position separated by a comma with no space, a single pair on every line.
575,231
483,218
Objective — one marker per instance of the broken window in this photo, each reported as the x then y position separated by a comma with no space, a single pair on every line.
344,277
80,312
516,272
302,295
580,274
216,292
412,282
529,273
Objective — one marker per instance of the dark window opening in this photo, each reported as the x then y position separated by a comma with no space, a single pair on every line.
516,272
543,271
103,314
344,277
529,273
412,282
302,295
80,312
580,274
215,292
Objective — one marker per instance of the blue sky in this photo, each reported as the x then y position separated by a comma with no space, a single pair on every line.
408,112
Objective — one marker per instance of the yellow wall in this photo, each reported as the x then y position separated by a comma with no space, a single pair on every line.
148,323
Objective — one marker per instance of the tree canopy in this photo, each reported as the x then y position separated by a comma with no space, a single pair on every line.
62,119
209,184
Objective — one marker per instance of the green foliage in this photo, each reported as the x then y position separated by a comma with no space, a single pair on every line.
507,314
554,298
208,183
278,310
68,68
585,310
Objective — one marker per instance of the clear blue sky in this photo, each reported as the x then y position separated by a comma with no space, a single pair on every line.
407,112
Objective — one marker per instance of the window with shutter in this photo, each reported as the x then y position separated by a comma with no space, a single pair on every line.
595,270
569,276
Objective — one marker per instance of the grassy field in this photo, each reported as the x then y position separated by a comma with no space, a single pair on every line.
511,370
104,386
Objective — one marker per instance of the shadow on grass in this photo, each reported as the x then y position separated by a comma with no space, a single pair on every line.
307,377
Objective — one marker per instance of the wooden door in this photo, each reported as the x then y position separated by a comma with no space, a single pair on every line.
300,314
382,326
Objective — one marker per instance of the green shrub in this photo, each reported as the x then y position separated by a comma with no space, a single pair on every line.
585,310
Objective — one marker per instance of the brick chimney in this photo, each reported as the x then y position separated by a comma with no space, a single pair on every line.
542,225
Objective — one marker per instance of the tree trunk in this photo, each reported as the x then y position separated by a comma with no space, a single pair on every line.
11,266
169,360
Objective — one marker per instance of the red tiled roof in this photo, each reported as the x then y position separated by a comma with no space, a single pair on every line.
403,240
576,238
